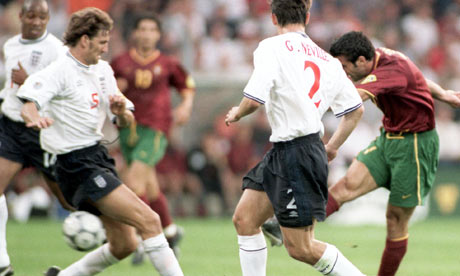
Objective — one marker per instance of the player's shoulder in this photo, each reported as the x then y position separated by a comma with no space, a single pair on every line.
53,40
12,41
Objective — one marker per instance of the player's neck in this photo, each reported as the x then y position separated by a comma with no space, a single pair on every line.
291,28
146,52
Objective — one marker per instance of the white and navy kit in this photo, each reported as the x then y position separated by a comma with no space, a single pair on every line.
17,142
77,99
297,82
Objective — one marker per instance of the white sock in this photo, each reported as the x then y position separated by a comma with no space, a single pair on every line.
161,256
4,258
92,263
253,254
333,263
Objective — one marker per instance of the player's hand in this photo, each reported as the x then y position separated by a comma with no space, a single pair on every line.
331,152
117,104
453,98
182,114
231,116
40,123
19,76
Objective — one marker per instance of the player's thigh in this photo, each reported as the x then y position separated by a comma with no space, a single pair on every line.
150,147
124,206
8,169
414,163
372,166
121,237
253,209
357,181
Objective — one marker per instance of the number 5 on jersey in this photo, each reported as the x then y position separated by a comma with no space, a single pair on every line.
94,100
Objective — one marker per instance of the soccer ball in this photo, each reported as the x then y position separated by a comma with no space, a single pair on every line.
83,231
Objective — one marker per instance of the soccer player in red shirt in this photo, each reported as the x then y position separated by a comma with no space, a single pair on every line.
404,157
145,76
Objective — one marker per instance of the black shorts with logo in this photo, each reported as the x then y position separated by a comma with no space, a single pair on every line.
86,175
294,176
21,144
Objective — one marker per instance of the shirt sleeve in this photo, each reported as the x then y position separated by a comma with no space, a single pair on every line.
40,87
347,98
179,77
263,77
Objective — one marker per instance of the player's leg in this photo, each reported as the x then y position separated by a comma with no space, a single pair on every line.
366,173
357,182
124,206
252,210
8,169
397,239
414,159
325,258
121,242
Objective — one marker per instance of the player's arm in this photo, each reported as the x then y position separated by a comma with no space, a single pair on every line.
246,107
348,122
32,118
118,107
448,96
184,109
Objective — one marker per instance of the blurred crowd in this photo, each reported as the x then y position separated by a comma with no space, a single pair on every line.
218,37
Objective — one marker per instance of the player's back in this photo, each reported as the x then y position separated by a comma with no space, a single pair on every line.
302,75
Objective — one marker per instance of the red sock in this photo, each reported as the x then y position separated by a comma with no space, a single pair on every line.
160,206
332,205
392,257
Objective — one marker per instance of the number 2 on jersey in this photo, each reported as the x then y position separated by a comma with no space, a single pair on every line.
317,74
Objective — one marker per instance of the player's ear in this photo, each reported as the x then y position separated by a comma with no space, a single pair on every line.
274,19
307,19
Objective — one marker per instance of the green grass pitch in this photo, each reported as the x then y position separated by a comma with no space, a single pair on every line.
210,248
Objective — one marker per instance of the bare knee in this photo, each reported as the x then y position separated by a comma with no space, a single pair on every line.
149,223
397,225
244,225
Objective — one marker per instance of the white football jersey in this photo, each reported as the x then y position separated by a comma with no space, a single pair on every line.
77,96
298,82
33,55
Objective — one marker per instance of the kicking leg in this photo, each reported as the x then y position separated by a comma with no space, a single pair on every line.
358,181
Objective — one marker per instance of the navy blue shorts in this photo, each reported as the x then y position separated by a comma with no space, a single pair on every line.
294,176
21,144
86,175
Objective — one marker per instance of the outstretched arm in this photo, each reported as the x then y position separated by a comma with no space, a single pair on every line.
246,107
448,96
348,122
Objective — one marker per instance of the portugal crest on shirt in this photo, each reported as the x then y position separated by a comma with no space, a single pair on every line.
156,70
369,78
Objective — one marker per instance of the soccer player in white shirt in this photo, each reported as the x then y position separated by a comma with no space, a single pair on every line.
28,52
296,81
80,91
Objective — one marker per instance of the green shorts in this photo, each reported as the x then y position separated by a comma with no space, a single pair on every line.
403,163
149,148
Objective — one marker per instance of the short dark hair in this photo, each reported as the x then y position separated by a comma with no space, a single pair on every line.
149,16
352,45
290,11
88,21
28,4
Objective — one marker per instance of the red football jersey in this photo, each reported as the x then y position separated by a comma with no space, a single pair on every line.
399,89
149,81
